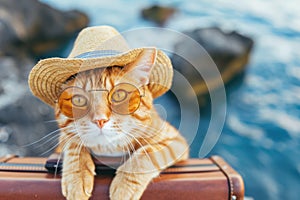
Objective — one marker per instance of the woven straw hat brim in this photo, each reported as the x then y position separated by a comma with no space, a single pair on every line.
48,75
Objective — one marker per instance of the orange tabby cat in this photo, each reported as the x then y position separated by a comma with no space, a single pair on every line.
109,111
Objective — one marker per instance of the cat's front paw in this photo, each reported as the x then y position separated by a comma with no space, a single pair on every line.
129,186
75,188
122,188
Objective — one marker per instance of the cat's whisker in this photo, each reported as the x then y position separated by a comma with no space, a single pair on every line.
49,141
150,137
134,165
78,149
141,146
148,140
149,127
141,132
129,150
51,121
49,150
57,163
54,120
61,154
150,132
72,139
124,156
52,148
44,137
136,124
132,152
129,144
84,129
69,139
140,129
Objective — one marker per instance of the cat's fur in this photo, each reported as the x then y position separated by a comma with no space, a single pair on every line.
151,143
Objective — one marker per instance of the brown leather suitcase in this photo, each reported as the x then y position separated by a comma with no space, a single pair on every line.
210,178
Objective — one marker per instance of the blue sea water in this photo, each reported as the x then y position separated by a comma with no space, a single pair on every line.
261,134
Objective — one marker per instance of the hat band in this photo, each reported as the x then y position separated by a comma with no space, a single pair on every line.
97,54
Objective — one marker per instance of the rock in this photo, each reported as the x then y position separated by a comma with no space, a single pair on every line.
5,133
158,14
9,150
36,26
22,116
229,51
8,36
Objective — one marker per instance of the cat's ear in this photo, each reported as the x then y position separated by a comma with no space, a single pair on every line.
140,69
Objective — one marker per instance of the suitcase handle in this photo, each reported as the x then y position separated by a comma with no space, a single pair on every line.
109,166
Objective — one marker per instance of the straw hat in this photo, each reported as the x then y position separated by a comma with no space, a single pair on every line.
95,47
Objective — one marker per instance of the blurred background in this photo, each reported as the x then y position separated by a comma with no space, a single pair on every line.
255,45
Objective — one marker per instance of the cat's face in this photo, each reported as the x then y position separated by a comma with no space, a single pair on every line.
110,109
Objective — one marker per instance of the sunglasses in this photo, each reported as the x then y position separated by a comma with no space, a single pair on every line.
123,98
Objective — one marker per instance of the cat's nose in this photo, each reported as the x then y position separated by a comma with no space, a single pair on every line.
101,122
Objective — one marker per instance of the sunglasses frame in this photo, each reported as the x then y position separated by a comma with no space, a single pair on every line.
87,94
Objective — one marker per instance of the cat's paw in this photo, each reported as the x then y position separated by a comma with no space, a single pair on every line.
121,188
77,186
129,186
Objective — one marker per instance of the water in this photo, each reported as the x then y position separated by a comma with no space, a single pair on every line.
261,135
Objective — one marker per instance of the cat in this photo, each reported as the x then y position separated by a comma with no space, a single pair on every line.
109,111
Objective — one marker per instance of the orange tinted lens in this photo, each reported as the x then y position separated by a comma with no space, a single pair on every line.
124,98
73,102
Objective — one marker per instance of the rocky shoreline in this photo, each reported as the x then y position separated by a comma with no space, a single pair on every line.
28,29
230,51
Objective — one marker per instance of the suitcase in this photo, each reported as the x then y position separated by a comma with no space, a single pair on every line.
210,178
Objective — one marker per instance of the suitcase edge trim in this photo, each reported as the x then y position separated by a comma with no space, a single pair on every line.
235,180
